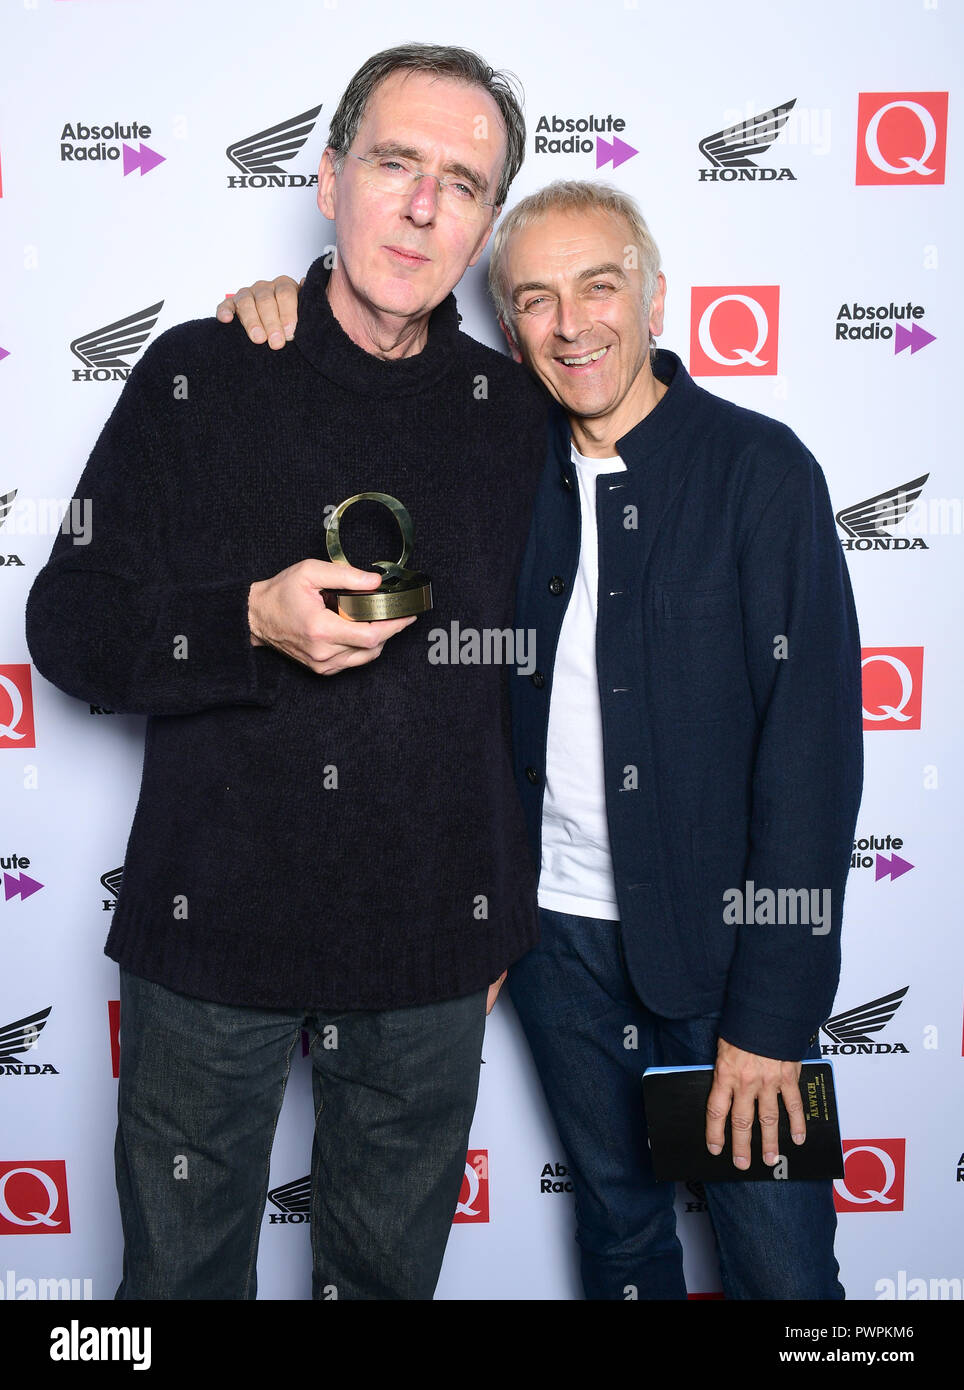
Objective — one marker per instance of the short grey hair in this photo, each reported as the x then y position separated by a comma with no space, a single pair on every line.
570,195
458,63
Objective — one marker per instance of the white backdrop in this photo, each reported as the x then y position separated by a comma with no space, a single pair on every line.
85,244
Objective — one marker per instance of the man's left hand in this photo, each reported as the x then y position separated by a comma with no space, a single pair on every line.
745,1083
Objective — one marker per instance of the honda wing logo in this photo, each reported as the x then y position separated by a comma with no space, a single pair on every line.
856,1025
22,1035
104,352
262,157
6,502
731,148
112,880
868,519
293,1200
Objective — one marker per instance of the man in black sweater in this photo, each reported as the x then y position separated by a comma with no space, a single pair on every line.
693,725
345,854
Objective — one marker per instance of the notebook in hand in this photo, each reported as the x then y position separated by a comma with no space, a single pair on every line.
675,1099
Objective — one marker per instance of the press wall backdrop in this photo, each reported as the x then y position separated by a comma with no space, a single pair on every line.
156,154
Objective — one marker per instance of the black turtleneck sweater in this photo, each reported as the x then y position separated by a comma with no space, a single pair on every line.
351,841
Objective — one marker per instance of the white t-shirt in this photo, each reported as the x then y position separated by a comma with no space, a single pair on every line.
577,871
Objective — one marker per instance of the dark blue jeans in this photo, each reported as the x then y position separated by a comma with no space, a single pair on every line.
201,1086
575,1001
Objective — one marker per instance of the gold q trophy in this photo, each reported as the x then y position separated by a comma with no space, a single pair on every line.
402,591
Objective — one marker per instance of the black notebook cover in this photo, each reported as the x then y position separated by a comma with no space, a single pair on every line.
675,1099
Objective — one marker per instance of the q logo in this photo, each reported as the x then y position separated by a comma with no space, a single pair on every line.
473,1204
733,330
33,1198
901,137
16,708
892,680
873,1177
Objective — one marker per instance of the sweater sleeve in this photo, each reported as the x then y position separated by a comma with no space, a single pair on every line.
803,662
107,620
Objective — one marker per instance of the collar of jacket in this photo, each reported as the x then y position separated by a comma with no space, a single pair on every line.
637,448
328,348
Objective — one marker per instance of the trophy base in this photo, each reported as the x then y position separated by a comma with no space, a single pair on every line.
379,604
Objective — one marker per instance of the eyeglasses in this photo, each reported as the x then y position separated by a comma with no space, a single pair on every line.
390,174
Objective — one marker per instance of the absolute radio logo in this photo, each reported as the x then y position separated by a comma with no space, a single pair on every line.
261,157
865,523
105,351
729,151
18,884
892,684
901,137
574,135
90,144
873,1177
473,1203
734,330
852,1032
883,323
555,1178
20,1037
33,1198
16,708
889,866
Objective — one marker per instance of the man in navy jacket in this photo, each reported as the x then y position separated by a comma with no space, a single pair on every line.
688,752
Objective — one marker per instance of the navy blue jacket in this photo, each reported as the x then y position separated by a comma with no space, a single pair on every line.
729,681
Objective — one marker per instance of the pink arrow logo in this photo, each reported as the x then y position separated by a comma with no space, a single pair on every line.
144,159
914,337
3,353
618,151
23,885
891,868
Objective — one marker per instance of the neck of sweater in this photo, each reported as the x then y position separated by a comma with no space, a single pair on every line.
324,343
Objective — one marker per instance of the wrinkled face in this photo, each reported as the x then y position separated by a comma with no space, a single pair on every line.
401,253
578,311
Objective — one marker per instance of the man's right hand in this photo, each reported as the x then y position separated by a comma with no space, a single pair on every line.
289,613
268,310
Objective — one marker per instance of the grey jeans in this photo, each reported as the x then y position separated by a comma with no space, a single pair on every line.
201,1087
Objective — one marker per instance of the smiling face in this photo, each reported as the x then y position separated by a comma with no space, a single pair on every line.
400,254
580,321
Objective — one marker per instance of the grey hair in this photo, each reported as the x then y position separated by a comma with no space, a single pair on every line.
571,195
458,63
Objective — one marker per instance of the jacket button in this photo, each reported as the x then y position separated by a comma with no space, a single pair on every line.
532,775
567,482
538,679
556,584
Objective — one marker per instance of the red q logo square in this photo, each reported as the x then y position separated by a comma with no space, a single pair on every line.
16,708
873,1177
901,137
33,1198
892,683
113,1023
473,1202
733,330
